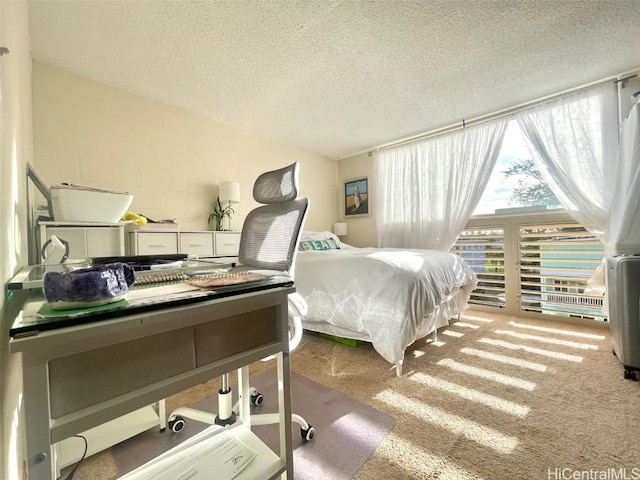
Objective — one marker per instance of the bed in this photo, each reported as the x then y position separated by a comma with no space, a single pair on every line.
387,296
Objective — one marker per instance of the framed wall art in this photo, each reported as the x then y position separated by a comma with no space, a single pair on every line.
356,197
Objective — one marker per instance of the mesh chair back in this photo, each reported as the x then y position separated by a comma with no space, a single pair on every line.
271,233
277,186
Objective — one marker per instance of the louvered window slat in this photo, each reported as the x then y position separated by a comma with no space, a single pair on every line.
490,274
490,281
551,277
555,243
560,261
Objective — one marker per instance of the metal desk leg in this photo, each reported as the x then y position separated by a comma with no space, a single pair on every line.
244,412
284,410
162,413
40,452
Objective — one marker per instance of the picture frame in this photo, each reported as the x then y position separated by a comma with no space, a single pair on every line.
357,197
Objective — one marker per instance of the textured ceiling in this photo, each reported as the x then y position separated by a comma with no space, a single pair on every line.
340,77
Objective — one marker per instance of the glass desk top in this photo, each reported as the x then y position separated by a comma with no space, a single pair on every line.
31,276
168,290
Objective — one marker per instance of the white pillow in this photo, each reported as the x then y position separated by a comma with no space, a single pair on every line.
307,235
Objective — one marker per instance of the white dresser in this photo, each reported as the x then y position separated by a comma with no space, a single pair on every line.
200,243
85,240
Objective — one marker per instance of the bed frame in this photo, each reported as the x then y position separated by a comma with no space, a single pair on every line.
451,309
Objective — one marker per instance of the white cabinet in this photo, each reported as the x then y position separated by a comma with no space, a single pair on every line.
108,240
85,240
200,243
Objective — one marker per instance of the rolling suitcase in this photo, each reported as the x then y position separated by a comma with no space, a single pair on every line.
623,284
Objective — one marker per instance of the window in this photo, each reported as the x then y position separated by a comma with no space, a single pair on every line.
516,183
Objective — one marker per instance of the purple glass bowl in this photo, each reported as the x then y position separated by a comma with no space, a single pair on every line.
88,287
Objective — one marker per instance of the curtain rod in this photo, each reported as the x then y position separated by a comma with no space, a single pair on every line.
619,78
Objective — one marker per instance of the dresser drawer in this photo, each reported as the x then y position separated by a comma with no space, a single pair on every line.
104,242
74,236
197,243
154,243
227,243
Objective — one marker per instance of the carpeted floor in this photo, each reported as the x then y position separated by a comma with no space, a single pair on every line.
351,430
496,397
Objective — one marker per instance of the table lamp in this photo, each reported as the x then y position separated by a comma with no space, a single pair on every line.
229,192
340,229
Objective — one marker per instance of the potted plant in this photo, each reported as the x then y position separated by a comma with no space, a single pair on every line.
217,216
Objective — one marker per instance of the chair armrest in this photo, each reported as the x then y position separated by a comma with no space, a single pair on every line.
297,305
297,308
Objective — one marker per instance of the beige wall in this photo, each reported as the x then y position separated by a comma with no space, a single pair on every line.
15,152
88,133
361,230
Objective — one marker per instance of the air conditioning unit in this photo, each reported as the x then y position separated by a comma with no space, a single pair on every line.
623,290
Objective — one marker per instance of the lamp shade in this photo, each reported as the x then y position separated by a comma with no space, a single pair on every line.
340,229
229,192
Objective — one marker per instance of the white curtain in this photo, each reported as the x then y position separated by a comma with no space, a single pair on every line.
574,142
623,229
427,190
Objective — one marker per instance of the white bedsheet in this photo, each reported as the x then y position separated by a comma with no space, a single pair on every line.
390,297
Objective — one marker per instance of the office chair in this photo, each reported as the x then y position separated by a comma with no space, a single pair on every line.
268,244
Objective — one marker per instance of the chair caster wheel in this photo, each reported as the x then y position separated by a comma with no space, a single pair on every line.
176,423
307,435
257,399
630,375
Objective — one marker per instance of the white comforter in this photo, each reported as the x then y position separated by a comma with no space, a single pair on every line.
386,296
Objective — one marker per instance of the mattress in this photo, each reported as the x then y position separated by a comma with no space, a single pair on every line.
389,297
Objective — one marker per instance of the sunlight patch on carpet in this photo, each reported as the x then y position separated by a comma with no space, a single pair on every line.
418,462
528,349
465,325
557,331
455,424
551,341
477,396
452,333
488,374
477,319
516,362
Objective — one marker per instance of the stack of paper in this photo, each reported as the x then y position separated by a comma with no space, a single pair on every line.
213,453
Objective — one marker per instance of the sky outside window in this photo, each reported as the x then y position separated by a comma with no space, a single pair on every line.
500,188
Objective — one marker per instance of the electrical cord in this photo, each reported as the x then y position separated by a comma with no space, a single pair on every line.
86,445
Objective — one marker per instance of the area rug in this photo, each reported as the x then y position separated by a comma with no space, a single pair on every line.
347,431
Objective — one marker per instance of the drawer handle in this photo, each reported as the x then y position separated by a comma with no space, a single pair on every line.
196,244
230,244
157,245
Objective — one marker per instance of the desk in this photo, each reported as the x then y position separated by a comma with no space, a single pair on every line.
81,376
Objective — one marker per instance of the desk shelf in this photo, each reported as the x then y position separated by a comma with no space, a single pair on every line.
70,450
266,464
